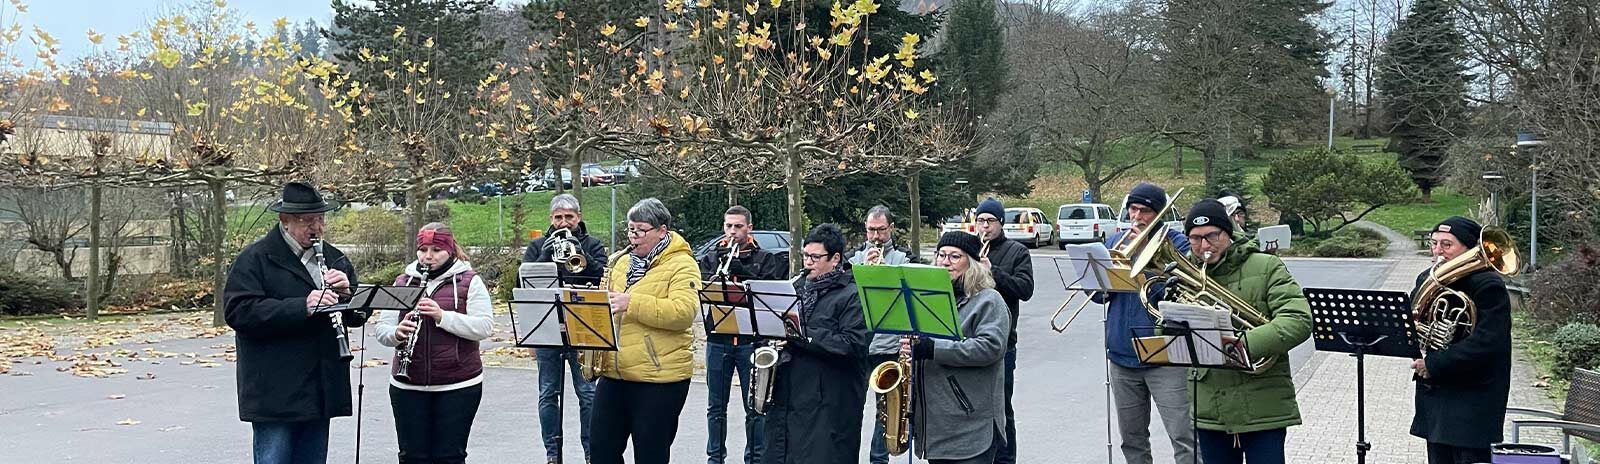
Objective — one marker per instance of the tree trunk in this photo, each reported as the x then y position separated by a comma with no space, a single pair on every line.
577,175
180,257
796,208
417,208
1177,163
914,190
92,305
1427,195
219,227
1209,156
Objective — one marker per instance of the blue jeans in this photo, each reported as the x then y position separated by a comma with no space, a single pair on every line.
1264,447
290,442
722,360
550,362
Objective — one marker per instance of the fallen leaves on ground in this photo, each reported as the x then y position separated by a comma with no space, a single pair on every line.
127,422
116,396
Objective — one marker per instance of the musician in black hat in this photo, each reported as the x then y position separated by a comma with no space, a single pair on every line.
1462,389
291,377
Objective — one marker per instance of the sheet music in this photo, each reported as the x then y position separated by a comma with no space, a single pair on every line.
723,318
1202,320
600,331
1089,263
773,299
532,310
537,275
1273,238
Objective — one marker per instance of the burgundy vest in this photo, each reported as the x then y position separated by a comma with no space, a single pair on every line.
441,358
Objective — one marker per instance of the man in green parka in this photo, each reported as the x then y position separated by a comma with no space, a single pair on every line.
1245,416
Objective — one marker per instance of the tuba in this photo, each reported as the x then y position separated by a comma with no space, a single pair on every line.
1187,283
596,362
892,382
1443,314
763,370
565,250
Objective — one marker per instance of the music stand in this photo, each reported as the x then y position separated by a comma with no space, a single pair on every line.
908,299
567,318
1362,322
367,297
1191,339
1097,270
720,302
774,310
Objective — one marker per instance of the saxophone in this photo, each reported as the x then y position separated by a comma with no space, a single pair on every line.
763,370
596,362
892,382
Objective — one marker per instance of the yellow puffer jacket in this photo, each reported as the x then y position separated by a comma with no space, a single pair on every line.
655,338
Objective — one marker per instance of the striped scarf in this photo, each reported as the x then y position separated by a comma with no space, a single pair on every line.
638,266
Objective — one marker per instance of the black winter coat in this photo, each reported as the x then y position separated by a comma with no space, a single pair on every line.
289,368
1012,268
593,251
815,413
1463,401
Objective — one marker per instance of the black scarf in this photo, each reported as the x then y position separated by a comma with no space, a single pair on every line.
815,288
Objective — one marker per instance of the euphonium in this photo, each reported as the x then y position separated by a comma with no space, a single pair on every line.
1188,283
403,369
596,362
565,250
1443,313
763,372
892,382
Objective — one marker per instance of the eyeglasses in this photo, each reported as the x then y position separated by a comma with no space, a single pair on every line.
638,232
878,229
815,257
1211,237
948,257
989,220
308,219
1431,243
563,217
735,226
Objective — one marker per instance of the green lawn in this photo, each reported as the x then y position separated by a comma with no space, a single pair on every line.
483,224
1409,217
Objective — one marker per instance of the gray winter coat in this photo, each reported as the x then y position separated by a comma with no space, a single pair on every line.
960,395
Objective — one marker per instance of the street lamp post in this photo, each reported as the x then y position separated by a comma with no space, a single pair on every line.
1531,142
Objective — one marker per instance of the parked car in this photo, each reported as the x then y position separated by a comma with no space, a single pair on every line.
959,222
1029,226
1084,223
774,241
548,180
593,175
624,172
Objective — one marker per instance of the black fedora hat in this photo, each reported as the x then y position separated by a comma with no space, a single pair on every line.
302,198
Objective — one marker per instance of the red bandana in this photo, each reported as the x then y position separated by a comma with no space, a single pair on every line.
437,238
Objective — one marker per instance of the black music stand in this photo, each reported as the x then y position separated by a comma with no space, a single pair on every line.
720,300
774,314
554,307
1362,322
378,298
1235,356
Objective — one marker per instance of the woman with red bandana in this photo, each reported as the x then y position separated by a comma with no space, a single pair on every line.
435,403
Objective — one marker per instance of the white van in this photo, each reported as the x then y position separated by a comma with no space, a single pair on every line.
1028,225
1084,223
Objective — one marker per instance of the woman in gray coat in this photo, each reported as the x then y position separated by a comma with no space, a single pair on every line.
958,396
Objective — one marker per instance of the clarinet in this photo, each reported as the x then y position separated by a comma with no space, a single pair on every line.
402,373
341,337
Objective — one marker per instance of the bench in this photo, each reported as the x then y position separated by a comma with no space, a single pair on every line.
1423,235
1579,418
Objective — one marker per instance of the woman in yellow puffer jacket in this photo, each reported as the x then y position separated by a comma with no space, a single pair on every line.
654,292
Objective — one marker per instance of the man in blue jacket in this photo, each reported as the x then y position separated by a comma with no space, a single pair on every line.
1134,384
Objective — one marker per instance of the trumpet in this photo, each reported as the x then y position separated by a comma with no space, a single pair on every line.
876,260
727,261
1130,245
593,363
763,371
402,370
565,250
340,333
1443,313
892,382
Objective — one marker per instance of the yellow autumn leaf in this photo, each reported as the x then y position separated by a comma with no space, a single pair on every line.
95,37
127,422
428,43
912,114
167,57
197,108
608,30
141,112
21,7
777,3
398,31
751,8
421,101
280,23
642,22
927,76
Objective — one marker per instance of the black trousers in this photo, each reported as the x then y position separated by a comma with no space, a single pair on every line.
1439,453
647,412
433,426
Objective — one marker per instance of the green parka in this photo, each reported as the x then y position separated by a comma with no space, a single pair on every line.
1241,402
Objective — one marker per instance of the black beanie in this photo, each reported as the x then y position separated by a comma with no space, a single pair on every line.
1465,230
991,206
966,242
1208,212
1149,195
